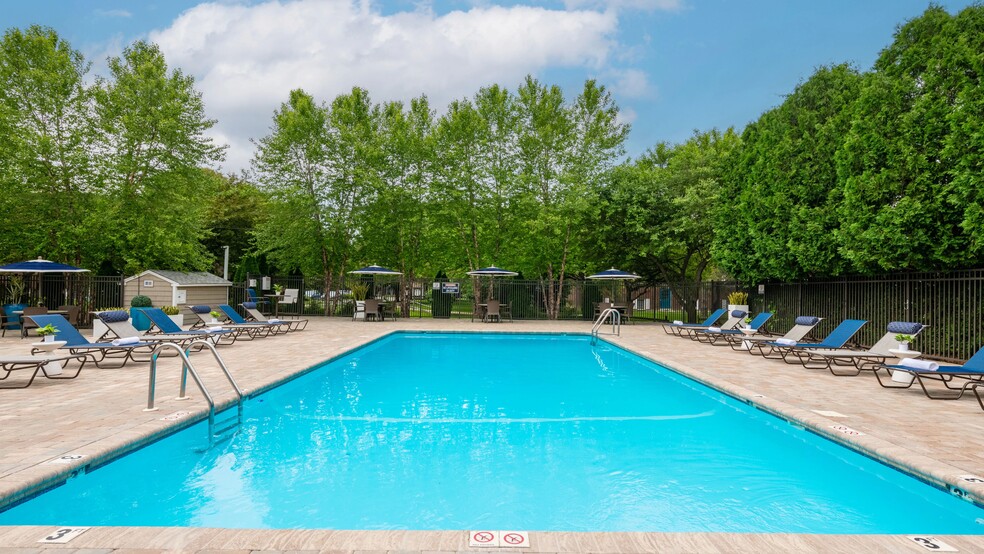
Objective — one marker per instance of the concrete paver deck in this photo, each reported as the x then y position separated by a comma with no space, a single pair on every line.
100,414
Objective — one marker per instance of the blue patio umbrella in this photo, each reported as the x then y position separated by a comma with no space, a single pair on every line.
40,266
614,274
374,270
492,272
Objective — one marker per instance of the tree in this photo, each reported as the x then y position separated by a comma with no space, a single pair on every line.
657,213
152,129
46,122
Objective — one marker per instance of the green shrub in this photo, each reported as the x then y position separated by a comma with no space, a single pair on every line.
171,310
141,301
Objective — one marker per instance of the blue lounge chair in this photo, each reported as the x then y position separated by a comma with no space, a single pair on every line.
117,321
957,379
836,339
232,315
720,336
77,344
734,320
853,362
675,328
253,297
164,324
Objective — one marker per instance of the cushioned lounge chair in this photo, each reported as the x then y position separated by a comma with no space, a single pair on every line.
163,324
957,379
853,362
674,328
802,326
10,364
257,316
734,320
99,352
836,339
119,325
718,336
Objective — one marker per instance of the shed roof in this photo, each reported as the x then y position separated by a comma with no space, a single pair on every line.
185,278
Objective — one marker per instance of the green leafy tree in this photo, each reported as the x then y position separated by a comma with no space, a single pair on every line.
153,132
46,122
657,213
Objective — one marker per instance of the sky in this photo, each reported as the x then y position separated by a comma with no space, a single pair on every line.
672,66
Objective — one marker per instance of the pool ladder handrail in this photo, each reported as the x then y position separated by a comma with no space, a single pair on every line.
616,322
187,367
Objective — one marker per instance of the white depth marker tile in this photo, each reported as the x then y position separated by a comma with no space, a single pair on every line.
63,535
828,413
932,543
67,459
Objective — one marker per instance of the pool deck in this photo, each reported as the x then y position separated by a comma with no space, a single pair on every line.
100,414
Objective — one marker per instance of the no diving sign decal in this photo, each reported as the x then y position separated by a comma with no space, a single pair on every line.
496,539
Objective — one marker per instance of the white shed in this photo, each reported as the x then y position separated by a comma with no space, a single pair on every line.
177,288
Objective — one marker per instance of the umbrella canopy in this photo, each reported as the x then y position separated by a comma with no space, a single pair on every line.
614,274
40,266
374,270
493,271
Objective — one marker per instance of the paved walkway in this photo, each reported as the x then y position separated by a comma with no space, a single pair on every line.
101,414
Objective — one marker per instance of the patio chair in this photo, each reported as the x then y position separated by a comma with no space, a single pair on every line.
835,340
734,320
718,336
675,327
118,323
253,297
10,364
290,300
257,316
854,362
802,326
968,376
8,322
99,351
237,321
492,311
27,322
72,313
372,310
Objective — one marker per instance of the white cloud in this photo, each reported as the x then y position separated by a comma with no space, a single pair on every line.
631,83
247,58
643,5
114,13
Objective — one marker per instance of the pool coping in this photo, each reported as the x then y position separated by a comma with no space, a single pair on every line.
883,451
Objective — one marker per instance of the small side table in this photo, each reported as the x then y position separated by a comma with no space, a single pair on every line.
50,368
903,376
748,332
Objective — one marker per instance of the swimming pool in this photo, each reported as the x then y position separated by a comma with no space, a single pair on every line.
469,431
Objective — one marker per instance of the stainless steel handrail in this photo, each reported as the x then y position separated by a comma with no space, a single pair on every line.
616,322
187,367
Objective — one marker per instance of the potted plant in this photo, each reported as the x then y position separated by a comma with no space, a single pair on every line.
140,321
278,289
215,315
174,313
904,341
15,293
359,293
47,333
738,301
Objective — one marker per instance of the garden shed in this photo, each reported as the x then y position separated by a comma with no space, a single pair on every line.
177,288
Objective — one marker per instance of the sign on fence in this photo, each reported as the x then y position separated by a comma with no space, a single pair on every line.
450,288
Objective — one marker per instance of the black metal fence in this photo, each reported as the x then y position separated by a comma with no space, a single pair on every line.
951,303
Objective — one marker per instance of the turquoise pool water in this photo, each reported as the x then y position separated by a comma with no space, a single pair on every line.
470,431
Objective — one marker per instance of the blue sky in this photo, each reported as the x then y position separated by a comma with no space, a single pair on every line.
672,65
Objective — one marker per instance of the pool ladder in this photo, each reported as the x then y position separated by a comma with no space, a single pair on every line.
187,367
605,314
